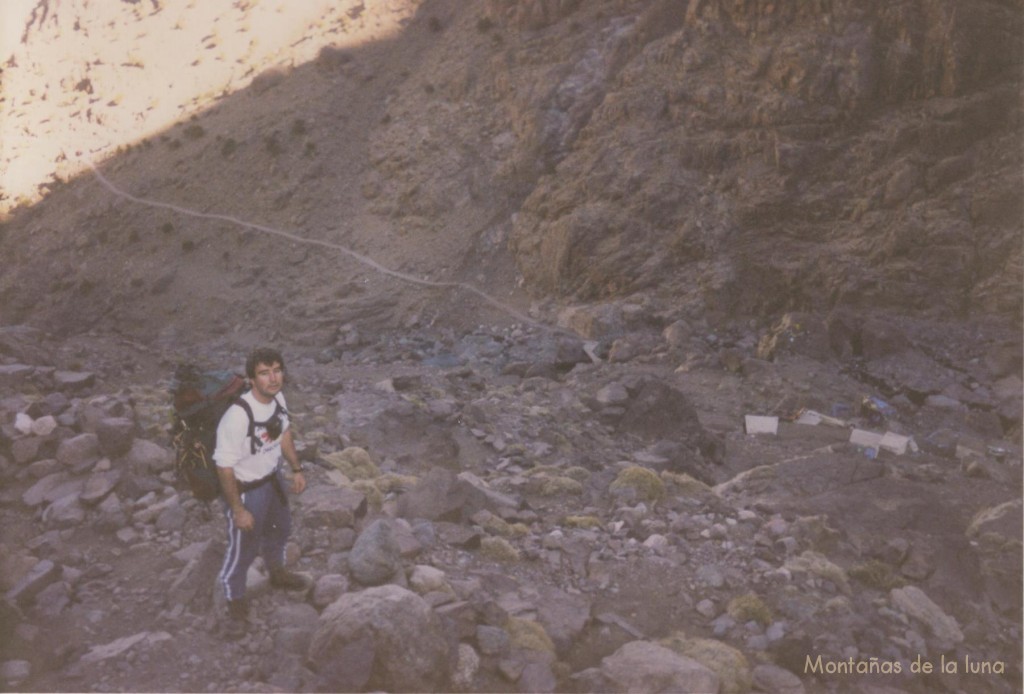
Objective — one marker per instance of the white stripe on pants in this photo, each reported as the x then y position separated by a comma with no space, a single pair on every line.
272,526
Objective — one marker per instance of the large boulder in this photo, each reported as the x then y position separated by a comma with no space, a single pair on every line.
78,451
643,666
332,507
441,495
728,663
116,435
13,375
376,556
660,412
99,485
433,498
73,380
995,534
148,458
942,627
563,616
386,638
51,488
191,586
42,575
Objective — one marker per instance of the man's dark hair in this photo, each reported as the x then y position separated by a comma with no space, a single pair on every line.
262,355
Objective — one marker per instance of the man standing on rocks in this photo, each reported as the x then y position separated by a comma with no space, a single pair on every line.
252,438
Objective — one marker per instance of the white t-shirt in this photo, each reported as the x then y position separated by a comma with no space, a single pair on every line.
234,449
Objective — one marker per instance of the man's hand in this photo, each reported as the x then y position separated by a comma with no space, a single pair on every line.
242,518
298,482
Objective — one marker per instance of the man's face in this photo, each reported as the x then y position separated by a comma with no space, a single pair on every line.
268,381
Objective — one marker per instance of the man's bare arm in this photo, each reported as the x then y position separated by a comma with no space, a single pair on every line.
291,455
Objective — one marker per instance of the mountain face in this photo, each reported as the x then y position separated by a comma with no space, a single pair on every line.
760,156
721,159
633,345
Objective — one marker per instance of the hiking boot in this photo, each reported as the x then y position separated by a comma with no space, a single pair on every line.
238,610
281,577
237,623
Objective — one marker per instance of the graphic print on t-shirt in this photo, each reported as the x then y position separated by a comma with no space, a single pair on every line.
262,437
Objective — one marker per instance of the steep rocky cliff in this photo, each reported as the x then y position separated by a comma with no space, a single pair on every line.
758,157
717,159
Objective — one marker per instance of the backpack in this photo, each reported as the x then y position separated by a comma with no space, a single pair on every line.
200,400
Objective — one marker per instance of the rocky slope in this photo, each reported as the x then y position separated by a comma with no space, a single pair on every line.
532,264
497,511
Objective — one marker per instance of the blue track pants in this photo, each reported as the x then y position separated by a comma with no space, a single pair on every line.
273,525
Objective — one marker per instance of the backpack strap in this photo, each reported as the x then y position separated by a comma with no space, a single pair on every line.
252,423
241,402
